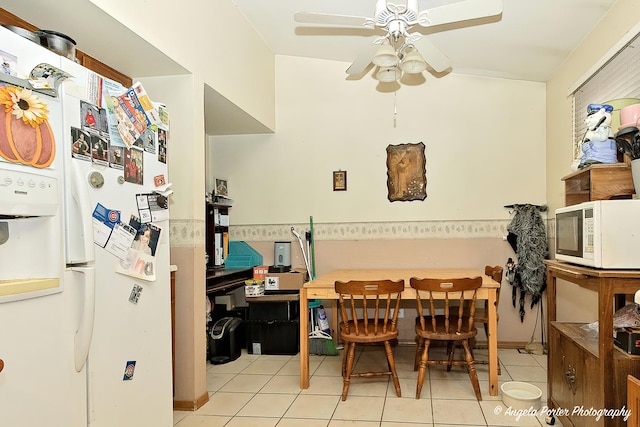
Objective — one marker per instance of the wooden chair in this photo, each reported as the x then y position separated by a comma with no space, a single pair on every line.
366,318
482,313
456,324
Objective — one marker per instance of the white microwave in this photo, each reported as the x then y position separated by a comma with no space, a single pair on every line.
600,234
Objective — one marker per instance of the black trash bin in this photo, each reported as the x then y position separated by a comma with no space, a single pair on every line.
273,325
225,342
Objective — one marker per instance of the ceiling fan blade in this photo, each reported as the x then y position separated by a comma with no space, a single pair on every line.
323,18
432,55
460,11
363,60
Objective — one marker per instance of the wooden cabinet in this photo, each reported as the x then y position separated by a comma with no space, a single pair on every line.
598,182
87,61
574,362
587,370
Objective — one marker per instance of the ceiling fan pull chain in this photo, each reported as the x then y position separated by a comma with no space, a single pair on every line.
395,108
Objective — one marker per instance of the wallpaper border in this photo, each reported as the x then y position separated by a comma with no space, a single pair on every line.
191,233
375,230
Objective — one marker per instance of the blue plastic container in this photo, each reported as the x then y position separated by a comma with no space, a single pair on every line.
241,255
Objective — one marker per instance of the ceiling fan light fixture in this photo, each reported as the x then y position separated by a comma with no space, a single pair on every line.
385,56
388,74
413,63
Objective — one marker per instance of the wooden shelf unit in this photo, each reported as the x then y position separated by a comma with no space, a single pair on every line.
214,227
598,182
583,369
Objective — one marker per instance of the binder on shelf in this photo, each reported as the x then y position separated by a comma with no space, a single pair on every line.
225,244
218,249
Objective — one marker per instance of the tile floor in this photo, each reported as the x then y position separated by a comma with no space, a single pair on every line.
263,391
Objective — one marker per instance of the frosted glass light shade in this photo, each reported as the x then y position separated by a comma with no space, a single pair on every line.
385,56
389,74
413,63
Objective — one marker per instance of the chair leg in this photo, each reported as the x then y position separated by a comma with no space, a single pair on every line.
349,369
392,368
452,350
473,375
344,358
419,351
423,367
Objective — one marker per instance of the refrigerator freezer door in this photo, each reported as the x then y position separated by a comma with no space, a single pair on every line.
39,385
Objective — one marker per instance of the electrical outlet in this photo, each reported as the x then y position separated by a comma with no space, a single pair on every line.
400,313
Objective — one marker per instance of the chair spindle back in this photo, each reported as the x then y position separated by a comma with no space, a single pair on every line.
464,290
357,297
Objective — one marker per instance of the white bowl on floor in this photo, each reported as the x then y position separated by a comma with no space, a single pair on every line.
521,395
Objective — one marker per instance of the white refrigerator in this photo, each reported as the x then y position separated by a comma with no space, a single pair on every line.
85,327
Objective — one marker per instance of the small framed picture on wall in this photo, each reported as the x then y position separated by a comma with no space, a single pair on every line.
339,180
221,189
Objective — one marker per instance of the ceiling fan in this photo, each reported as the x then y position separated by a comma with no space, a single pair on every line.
399,50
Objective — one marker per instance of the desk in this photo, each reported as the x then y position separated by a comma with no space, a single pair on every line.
323,288
223,280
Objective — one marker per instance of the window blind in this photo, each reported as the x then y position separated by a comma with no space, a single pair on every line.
617,78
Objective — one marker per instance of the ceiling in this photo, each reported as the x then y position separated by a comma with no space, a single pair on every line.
529,41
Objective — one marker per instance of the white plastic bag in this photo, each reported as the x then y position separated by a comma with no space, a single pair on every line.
626,317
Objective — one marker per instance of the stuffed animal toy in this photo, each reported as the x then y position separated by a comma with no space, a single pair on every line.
598,145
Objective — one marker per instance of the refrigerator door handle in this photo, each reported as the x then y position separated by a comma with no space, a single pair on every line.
80,194
82,341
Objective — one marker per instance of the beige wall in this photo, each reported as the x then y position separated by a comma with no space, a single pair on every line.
484,141
574,303
186,173
214,42
485,148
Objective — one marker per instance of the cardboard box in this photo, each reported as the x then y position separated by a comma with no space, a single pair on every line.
229,301
628,340
291,281
260,271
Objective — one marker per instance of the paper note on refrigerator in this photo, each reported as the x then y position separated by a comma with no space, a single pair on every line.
103,222
138,264
110,91
109,233
101,233
147,105
152,207
121,240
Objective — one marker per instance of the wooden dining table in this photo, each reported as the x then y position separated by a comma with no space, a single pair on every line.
323,288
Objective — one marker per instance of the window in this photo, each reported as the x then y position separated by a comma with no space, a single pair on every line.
619,77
